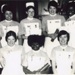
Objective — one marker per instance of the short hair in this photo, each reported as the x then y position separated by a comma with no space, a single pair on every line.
11,33
63,32
36,39
29,8
52,3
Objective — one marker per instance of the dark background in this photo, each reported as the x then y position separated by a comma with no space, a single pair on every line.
19,7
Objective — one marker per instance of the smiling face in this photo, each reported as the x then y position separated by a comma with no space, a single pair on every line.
35,46
11,41
52,10
30,12
63,40
8,15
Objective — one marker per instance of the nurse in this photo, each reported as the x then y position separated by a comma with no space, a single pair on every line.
36,61
30,26
12,56
51,25
62,56
8,24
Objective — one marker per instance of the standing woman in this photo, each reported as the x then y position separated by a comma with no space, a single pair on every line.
12,56
30,26
8,24
51,25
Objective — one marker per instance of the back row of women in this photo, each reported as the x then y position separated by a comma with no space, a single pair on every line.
34,58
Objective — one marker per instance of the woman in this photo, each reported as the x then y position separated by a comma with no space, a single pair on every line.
8,24
12,56
63,61
30,26
36,60
51,25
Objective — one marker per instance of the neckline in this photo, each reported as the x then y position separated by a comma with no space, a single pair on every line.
29,18
63,47
8,21
53,15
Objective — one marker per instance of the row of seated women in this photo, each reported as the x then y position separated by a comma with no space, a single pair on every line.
14,60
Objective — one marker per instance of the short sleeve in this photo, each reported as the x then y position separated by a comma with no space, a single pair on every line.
25,62
44,24
53,54
21,29
1,31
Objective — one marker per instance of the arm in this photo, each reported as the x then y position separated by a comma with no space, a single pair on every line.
53,55
1,32
27,71
1,35
44,69
2,60
63,21
25,64
22,55
55,35
45,31
73,64
44,27
54,66
21,33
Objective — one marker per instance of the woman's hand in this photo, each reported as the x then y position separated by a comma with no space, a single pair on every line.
23,36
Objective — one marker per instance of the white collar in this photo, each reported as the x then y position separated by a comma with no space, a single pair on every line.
10,47
8,21
63,47
52,15
38,51
29,18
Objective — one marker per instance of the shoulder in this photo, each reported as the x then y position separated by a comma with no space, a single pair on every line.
56,48
19,47
71,48
23,20
37,19
60,16
28,54
43,53
45,17
16,23
2,22
3,49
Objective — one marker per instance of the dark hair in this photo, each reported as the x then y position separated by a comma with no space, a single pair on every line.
36,39
29,8
63,32
10,33
52,3
7,8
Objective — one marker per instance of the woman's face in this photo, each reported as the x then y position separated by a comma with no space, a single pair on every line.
52,10
8,15
30,13
11,41
63,40
35,46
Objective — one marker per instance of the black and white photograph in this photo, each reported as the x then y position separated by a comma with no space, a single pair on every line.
37,37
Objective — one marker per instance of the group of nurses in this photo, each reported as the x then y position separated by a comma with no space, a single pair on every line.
50,27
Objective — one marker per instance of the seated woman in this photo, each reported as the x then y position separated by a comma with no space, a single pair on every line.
63,62
36,61
12,56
